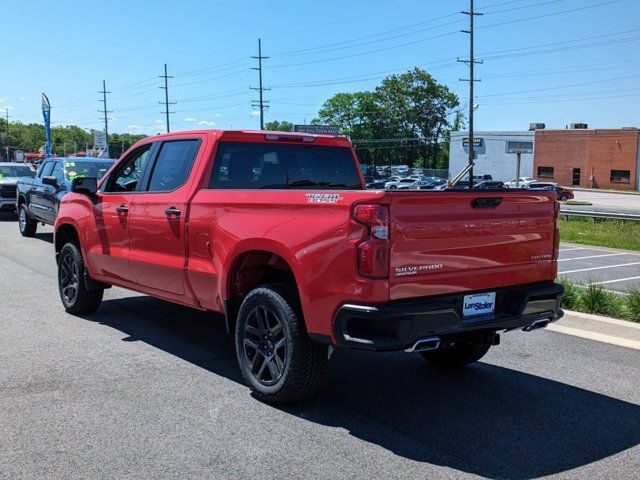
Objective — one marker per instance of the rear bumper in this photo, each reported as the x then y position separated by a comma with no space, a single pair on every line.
398,325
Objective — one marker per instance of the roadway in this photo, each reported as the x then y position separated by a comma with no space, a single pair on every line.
606,201
146,389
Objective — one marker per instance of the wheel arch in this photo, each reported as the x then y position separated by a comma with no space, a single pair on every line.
65,233
250,268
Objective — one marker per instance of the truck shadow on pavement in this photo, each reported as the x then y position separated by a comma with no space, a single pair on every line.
485,420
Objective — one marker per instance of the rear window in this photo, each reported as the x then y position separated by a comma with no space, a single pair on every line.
242,165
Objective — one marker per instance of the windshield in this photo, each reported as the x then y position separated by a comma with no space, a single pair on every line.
16,171
86,169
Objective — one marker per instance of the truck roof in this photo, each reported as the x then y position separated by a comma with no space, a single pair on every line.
262,136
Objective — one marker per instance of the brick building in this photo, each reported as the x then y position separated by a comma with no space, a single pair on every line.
607,159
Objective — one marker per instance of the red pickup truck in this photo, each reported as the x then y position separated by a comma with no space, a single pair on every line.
277,231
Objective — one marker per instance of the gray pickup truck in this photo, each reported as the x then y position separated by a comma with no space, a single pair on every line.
9,175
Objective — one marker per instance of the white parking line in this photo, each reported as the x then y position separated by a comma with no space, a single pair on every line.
617,280
599,268
596,249
570,249
591,256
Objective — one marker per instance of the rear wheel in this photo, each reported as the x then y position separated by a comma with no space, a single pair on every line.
563,198
73,290
277,358
26,224
457,355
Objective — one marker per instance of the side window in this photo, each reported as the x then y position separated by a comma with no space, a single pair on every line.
173,165
46,169
58,173
125,178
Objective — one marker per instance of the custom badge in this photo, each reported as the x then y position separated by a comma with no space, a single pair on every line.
415,269
323,197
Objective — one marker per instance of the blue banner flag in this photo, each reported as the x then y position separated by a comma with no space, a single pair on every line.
46,113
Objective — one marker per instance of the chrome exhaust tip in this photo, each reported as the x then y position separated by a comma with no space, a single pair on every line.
536,325
424,345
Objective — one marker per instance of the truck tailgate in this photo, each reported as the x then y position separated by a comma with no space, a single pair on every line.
456,241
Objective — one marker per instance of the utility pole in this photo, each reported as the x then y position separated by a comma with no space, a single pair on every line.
166,102
471,63
106,112
262,104
6,112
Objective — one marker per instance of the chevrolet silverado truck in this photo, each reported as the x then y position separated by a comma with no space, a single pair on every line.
9,175
38,197
277,232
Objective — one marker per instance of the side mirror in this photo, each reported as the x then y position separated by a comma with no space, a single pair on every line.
84,185
50,180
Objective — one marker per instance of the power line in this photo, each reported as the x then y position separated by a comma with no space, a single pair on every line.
261,103
166,95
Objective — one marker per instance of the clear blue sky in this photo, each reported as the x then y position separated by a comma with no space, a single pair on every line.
552,61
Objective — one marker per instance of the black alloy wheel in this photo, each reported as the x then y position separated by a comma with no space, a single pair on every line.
265,345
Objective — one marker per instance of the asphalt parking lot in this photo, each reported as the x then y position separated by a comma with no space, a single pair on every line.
147,389
615,270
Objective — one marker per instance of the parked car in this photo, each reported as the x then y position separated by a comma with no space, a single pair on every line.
38,198
9,175
302,258
403,182
523,182
563,193
487,184
376,185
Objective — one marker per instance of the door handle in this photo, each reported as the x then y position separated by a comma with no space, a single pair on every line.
172,212
122,210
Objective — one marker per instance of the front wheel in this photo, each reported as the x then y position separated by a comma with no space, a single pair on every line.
277,358
26,224
75,296
457,355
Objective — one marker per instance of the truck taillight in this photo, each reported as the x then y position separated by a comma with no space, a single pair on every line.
373,251
556,231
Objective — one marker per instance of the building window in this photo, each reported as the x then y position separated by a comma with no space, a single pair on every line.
545,172
620,176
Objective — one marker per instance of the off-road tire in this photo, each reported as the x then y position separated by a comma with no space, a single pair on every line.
458,355
305,361
84,301
26,224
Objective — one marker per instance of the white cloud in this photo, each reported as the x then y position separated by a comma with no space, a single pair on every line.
134,127
23,98
208,124
3,99
159,121
190,119
218,115
255,113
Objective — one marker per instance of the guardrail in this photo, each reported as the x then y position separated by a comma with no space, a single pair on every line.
594,215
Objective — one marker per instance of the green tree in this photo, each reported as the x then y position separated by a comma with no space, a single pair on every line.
279,126
403,121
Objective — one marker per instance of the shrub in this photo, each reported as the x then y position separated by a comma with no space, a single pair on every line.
632,302
595,299
571,294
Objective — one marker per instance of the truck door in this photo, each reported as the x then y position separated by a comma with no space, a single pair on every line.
36,193
50,193
110,255
158,218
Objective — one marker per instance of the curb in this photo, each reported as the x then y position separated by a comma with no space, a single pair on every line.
599,318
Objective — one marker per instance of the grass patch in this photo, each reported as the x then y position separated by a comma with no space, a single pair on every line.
604,233
595,299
